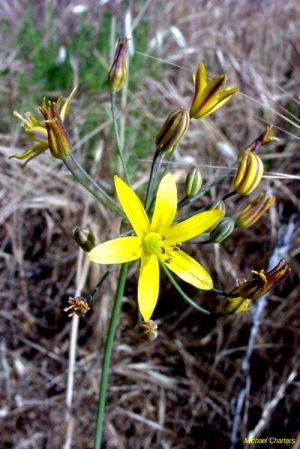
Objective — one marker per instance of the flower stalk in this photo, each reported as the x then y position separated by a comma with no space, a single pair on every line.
73,165
115,314
120,147
184,296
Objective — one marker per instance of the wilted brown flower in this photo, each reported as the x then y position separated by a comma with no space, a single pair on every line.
254,210
250,291
77,306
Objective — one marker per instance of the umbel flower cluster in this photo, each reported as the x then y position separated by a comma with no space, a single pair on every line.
155,234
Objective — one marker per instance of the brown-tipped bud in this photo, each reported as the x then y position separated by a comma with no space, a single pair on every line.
193,183
254,210
117,75
219,204
262,140
77,305
249,173
58,138
84,237
172,130
222,230
146,331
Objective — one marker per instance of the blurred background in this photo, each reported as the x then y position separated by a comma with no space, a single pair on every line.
181,390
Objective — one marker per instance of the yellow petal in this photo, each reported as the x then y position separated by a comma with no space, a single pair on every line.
200,79
208,96
66,104
165,204
132,207
124,249
148,287
31,152
189,270
37,133
190,228
223,97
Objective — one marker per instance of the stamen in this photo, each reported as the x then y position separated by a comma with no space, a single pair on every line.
260,274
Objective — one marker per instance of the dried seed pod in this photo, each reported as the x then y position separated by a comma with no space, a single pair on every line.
146,331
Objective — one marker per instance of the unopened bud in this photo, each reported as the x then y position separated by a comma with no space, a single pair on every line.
249,173
172,130
219,204
254,210
222,230
193,183
146,331
117,75
84,237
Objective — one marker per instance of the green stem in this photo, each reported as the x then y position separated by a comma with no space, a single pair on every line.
229,195
90,297
182,293
89,184
207,189
116,130
152,178
107,354
228,295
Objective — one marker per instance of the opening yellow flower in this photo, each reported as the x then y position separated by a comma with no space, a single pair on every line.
157,241
36,130
210,95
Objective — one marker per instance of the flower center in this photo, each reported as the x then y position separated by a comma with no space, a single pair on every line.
152,243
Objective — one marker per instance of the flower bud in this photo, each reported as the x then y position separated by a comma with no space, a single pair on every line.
172,130
58,138
193,183
219,204
249,173
117,75
254,210
84,237
222,230
146,331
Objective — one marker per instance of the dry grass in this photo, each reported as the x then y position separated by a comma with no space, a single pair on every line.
179,391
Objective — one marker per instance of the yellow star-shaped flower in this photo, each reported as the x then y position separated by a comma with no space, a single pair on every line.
157,241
